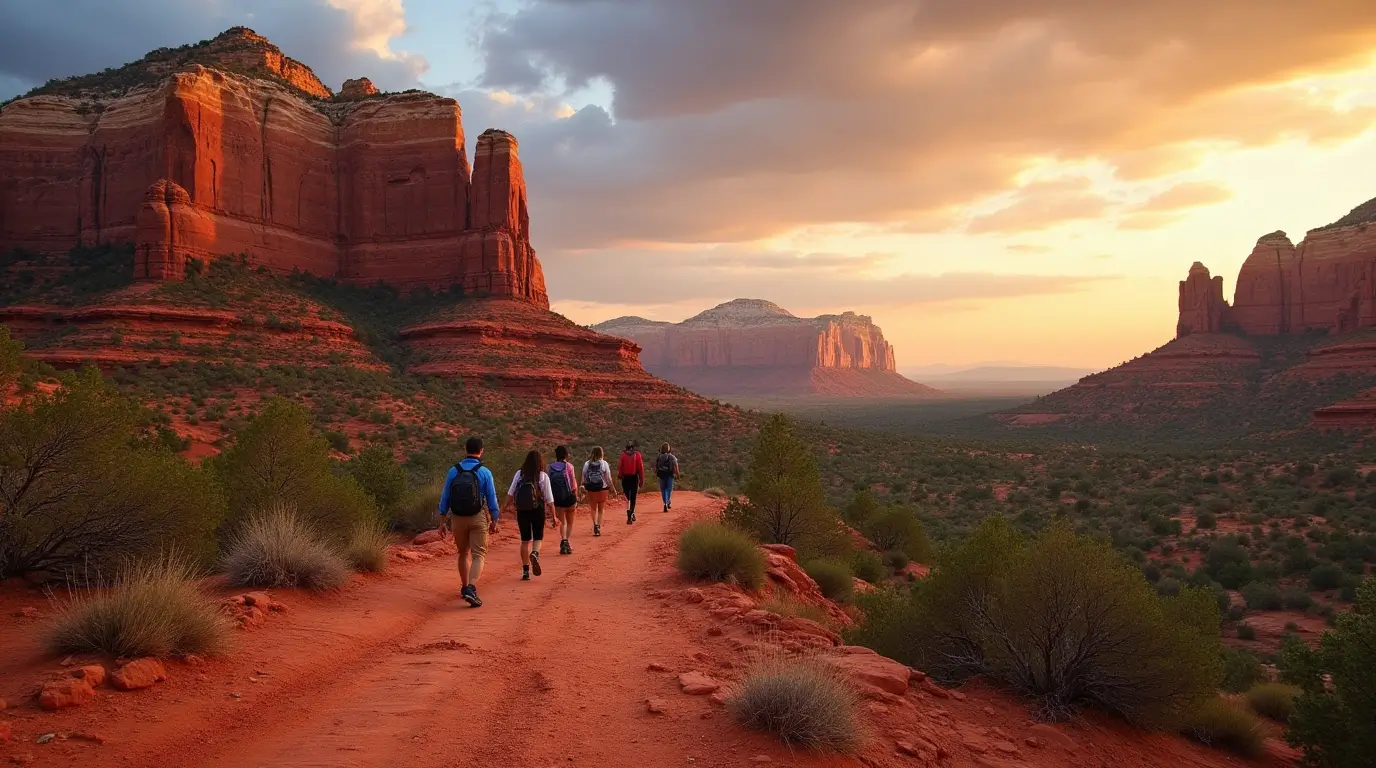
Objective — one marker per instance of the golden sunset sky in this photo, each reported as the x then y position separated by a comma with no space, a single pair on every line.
1006,180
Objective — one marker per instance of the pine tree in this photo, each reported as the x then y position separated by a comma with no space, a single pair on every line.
785,500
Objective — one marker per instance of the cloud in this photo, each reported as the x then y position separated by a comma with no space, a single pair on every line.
1190,194
1149,220
339,39
735,121
1044,204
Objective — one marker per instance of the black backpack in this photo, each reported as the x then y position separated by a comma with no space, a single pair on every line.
528,495
564,497
664,465
466,492
592,477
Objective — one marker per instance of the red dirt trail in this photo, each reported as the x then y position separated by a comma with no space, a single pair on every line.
396,670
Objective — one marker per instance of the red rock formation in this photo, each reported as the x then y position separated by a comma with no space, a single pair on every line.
1202,307
363,189
1326,283
359,88
753,347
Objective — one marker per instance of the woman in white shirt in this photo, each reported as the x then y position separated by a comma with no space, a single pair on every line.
530,494
597,481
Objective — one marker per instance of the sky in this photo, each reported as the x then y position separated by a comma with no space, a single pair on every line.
1011,180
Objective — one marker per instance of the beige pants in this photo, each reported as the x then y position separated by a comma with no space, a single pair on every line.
470,536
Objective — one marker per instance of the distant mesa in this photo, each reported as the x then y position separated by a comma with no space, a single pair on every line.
753,347
230,146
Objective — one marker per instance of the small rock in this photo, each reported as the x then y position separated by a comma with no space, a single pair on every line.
260,599
871,669
717,699
192,660
61,694
140,673
656,706
916,675
957,695
975,745
47,737
237,600
657,667
91,673
427,537
1006,747
935,690
697,684
252,617
27,613
67,662
904,748
705,715
694,595
1033,742
714,631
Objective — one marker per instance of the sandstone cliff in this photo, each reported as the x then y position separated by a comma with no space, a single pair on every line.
749,346
1327,282
229,146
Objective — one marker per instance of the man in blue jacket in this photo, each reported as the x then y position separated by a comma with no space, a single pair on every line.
467,486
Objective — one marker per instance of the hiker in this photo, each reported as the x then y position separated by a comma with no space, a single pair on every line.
565,489
632,471
530,494
666,470
597,482
466,487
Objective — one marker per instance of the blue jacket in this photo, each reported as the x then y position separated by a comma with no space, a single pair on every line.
485,484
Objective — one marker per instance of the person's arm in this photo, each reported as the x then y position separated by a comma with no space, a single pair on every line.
547,492
639,468
444,494
675,460
490,490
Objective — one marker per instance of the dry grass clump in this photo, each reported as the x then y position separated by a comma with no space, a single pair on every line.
276,548
790,608
716,552
1222,724
802,702
1273,700
366,549
154,608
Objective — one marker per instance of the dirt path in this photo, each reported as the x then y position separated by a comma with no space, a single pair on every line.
400,671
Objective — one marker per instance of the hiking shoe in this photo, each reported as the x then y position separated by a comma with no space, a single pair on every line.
666,507
535,563
630,518
564,548
470,595
597,530
525,574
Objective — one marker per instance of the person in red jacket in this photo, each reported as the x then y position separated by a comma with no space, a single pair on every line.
632,471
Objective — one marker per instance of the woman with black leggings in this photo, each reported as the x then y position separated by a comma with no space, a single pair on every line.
530,494
632,471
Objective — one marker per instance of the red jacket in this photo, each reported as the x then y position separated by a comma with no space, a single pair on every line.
632,465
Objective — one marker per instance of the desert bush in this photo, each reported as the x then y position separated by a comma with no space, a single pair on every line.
1295,599
154,607
1273,700
784,499
716,552
82,485
1241,670
715,492
802,703
1325,576
896,559
868,566
1261,596
1246,631
366,549
419,509
276,548
834,579
1061,619
379,475
1331,722
1222,724
10,358
896,527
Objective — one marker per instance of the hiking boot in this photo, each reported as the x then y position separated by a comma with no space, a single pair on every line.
525,573
535,563
597,530
470,595
564,548
630,517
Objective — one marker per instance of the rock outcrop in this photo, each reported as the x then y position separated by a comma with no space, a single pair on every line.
754,347
230,147
1327,283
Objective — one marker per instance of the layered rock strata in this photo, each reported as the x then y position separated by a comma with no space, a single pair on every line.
231,147
753,347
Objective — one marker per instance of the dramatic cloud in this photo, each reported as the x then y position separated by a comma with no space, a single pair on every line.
737,120
1191,194
1044,204
339,39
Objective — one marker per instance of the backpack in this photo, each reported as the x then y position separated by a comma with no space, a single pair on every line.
592,477
466,492
664,465
628,465
528,497
564,497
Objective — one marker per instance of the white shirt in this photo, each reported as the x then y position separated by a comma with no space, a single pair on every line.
544,487
606,473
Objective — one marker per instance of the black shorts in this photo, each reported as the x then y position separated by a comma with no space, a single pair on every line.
532,525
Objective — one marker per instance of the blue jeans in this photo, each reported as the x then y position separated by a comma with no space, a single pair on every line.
666,488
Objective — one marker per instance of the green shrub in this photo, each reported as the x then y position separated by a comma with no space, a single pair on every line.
1261,596
1241,670
153,608
716,552
366,549
1206,520
419,509
1222,724
276,548
897,559
897,527
996,605
1273,700
802,703
1296,600
1325,576
868,566
1332,721
1245,631
834,579
10,358
83,486
379,475
784,499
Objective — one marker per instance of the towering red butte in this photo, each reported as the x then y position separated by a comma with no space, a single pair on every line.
1327,282
229,146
